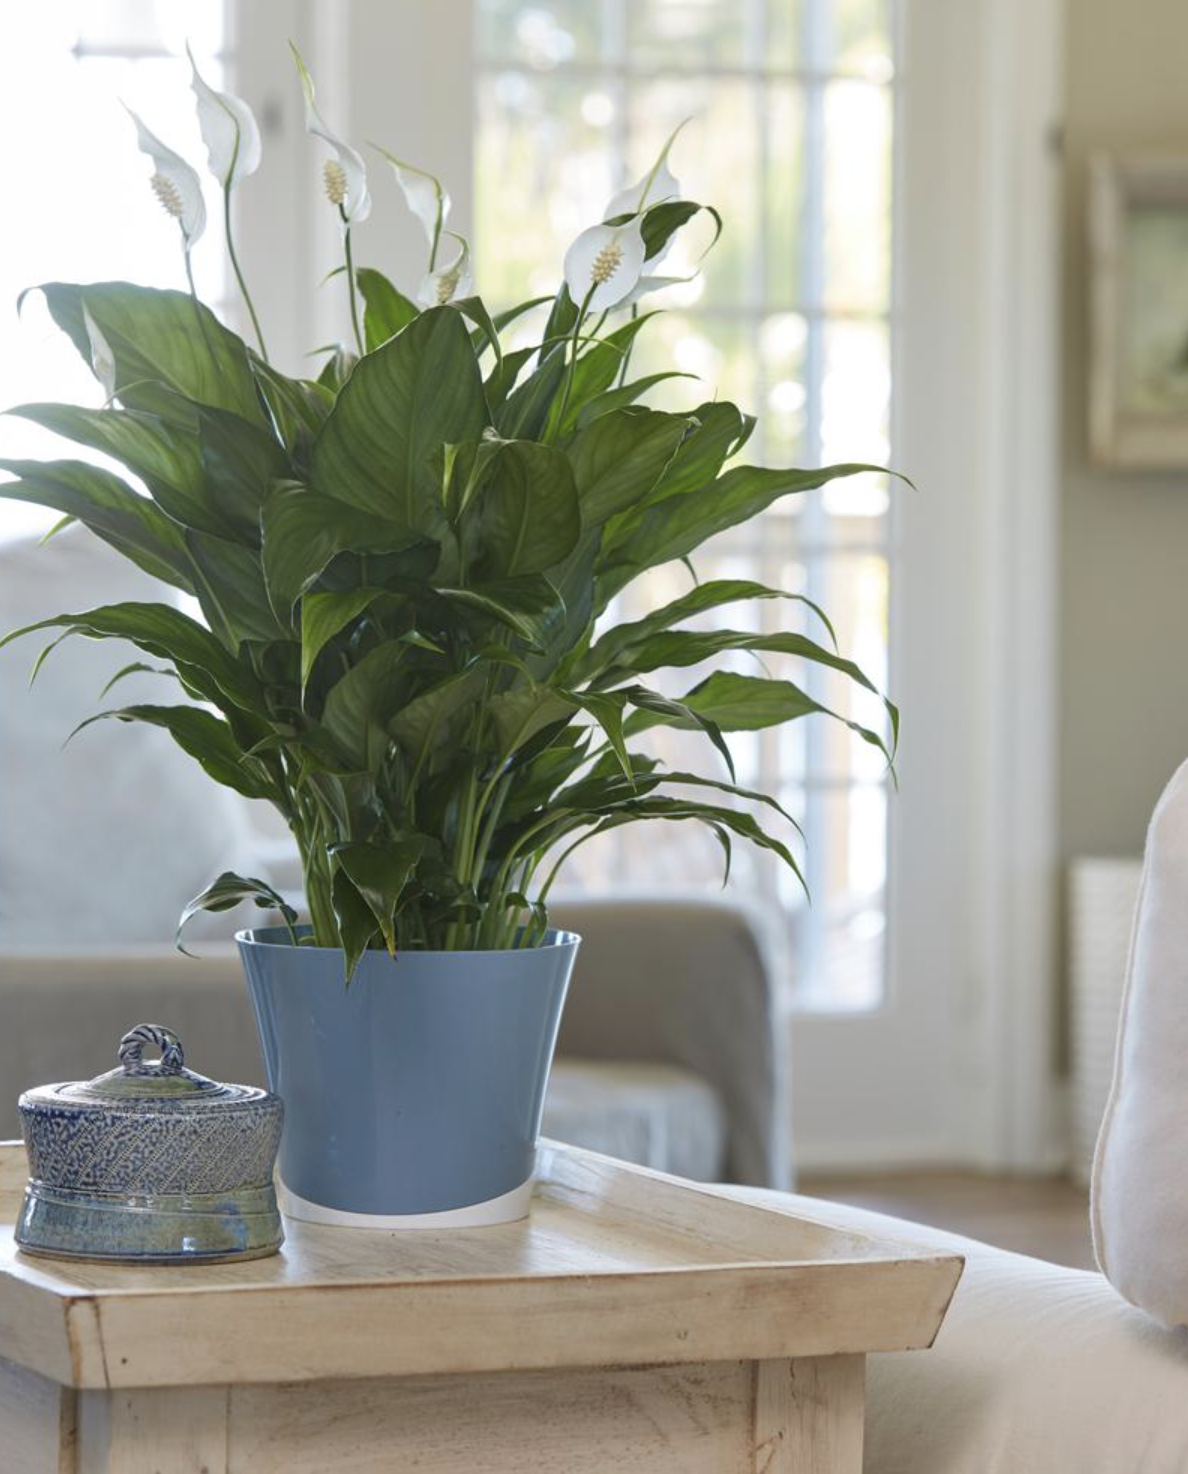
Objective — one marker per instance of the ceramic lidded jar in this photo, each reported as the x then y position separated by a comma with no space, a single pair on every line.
150,1163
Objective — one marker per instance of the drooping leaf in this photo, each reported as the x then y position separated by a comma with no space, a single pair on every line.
380,873
357,926
204,737
167,633
225,893
110,508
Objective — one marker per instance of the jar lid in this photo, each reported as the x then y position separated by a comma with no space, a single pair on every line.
137,1083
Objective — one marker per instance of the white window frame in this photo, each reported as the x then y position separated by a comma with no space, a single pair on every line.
959,1064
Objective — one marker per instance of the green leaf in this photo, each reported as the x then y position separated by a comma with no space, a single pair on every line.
240,467
596,370
661,222
160,335
677,714
229,582
428,721
419,390
607,711
296,407
379,873
205,738
676,526
519,714
385,310
620,457
528,605
623,395
110,508
357,928
705,596
360,703
225,893
304,529
475,309
522,414
526,517
690,647
323,616
166,633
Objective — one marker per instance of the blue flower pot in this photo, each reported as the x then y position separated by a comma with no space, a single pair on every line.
412,1097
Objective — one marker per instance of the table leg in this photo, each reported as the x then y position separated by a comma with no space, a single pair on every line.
153,1431
36,1423
809,1415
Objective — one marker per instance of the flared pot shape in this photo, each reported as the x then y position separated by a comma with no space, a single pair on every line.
413,1097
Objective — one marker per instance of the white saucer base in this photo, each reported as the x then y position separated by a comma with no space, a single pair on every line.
507,1208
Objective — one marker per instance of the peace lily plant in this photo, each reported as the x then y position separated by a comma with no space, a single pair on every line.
407,567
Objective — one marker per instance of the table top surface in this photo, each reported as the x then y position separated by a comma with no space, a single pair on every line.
615,1266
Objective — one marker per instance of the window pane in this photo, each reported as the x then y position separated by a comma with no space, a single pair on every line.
789,134
689,34
857,197
85,185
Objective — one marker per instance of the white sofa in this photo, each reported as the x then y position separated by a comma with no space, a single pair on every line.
1037,1369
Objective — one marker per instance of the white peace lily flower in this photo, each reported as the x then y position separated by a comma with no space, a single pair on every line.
603,264
229,130
657,185
102,358
424,194
450,283
345,175
175,184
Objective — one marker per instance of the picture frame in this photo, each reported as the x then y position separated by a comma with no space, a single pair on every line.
1138,360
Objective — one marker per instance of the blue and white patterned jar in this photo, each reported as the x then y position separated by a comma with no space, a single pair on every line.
150,1162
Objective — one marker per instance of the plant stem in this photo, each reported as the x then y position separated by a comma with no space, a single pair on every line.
555,425
239,274
350,275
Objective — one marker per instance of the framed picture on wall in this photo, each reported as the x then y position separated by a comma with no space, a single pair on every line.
1138,364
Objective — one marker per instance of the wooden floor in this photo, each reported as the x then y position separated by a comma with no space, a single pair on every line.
1045,1217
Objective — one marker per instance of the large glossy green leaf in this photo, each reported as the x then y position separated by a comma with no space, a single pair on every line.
385,309
163,336
620,457
526,517
241,465
296,407
607,710
304,529
523,413
520,714
672,713
110,508
205,738
419,390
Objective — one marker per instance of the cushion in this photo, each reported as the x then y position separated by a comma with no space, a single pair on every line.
1037,1369
106,839
1140,1175
656,1115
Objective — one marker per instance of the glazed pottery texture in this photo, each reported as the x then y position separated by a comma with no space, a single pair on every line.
150,1162
416,1090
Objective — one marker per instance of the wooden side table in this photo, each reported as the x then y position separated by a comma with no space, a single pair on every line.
634,1323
